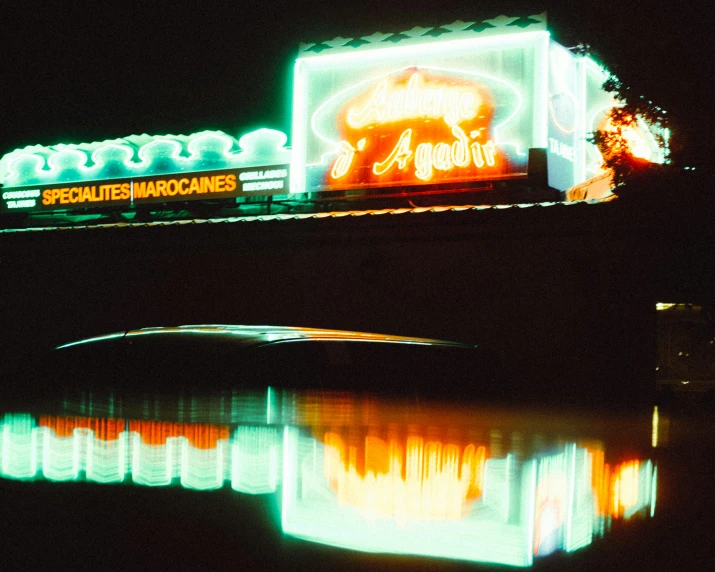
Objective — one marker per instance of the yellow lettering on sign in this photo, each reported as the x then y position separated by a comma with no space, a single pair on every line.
460,148
230,183
389,104
172,187
441,157
401,154
140,190
430,157
169,187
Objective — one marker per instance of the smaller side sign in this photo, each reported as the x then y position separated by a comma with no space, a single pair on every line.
177,187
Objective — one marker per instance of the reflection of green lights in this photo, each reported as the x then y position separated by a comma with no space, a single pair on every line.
507,524
653,491
489,532
251,460
19,446
255,459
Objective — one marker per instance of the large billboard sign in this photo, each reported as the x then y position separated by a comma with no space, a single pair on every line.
436,109
202,185
429,112
449,106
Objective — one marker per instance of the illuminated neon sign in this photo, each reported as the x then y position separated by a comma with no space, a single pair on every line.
142,169
436,112
395,488
416,126
446,106
206,185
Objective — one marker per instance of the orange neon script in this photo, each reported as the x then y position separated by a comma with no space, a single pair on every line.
416,127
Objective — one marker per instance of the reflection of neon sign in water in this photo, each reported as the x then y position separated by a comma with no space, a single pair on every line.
419,480
418,494
151,453
627,490
551,504
416,126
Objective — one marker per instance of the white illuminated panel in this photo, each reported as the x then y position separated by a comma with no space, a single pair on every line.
424,113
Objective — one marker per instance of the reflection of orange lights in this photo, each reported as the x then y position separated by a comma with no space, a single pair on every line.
317,408
64,426
615,489
199,435
600,475
415,481
625,488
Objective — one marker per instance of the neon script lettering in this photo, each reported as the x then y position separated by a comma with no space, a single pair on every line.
453,104
428,157
415,127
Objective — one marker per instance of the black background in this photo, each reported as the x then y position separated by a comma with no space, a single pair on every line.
80,72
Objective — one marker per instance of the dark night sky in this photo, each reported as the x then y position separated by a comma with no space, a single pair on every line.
79,72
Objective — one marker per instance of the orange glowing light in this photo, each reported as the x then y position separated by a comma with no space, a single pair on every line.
629,136
415,127
199,435
420,480
64,426
625,488
600,475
